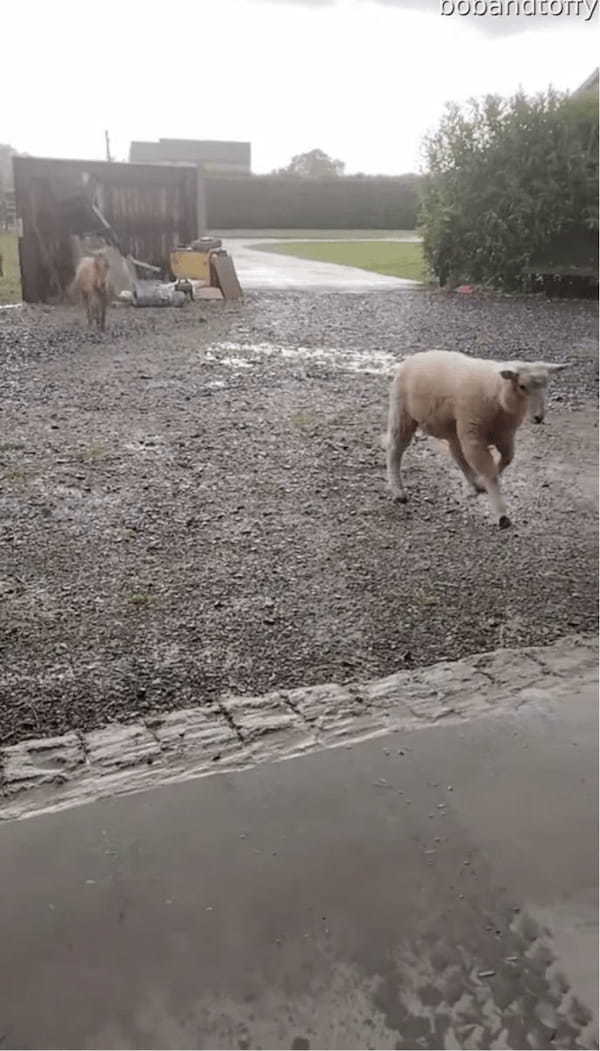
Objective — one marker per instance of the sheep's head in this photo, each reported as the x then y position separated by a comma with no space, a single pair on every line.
101,262
529,380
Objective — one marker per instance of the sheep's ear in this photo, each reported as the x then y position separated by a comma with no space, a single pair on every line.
508,374
556,368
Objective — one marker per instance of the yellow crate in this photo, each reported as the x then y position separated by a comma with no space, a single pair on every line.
193,265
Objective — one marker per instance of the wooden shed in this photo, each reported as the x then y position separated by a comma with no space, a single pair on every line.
150,208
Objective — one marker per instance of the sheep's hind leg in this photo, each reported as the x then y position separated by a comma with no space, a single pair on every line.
482,462
458,457
399,436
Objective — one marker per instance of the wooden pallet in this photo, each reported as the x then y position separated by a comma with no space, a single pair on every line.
225,276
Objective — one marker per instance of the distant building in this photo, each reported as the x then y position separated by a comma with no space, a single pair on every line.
589,85
6,173
212,158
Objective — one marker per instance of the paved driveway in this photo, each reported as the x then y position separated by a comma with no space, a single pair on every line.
259,269
433,889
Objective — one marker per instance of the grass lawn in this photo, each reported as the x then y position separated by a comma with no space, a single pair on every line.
10,284
395,258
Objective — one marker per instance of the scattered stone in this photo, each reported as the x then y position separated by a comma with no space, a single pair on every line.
353,593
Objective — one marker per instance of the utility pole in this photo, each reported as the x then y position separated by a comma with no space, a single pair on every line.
107,141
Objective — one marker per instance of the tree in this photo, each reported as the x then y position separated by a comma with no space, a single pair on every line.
506,179
312,165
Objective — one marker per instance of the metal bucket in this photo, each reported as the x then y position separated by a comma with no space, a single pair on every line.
151,294
206,244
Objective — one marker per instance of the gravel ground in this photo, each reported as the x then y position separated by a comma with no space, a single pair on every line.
193,504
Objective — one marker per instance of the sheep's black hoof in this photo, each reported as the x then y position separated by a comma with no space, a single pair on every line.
504,522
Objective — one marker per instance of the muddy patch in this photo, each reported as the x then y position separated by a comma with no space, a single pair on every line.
238,355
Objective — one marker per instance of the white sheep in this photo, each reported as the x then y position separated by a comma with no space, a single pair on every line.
472,404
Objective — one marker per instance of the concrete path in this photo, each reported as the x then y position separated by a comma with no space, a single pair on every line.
258,269
433,888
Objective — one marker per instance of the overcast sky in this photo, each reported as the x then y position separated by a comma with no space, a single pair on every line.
360,79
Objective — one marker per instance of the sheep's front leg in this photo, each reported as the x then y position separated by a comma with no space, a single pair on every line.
101,312
458,457
482,462
506,448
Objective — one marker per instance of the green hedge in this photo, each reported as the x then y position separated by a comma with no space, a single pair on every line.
258,202
507,181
